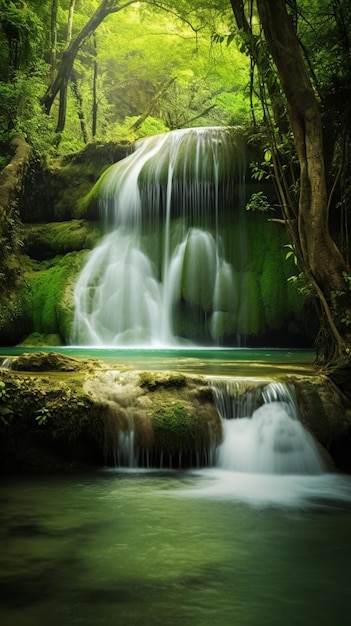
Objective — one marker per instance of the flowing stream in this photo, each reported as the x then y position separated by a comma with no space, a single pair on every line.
266,438
174,548
252,540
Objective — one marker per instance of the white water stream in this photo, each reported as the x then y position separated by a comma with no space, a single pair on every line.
266,438
164,251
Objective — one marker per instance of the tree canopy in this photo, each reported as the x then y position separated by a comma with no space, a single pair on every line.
90,70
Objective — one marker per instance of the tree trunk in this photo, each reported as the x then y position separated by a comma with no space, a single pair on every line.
70,20
152,104
79,99
54,8
320,254
12,176
95,102
324,265
68,57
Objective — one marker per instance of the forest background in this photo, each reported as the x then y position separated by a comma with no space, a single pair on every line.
81,71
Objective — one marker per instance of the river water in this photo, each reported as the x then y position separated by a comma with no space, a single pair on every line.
175,548
251,362
200,548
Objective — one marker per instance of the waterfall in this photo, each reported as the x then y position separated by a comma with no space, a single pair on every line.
6,363
160,276
123,450
262,431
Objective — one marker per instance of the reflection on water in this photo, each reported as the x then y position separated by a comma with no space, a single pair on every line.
170,549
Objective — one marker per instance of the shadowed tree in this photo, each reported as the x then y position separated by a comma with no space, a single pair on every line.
324,265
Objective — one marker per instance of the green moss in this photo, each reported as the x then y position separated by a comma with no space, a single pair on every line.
48,421
173,428
87,205
273,290
226,289
40,339
47,295
250,321
47,240
154,380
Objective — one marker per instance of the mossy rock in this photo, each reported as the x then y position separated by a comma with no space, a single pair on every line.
45,241
49,424
174,420
46,362
55,188
322,408
47,295
155,380
173,428
40,340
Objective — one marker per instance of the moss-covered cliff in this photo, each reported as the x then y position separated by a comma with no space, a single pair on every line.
56,225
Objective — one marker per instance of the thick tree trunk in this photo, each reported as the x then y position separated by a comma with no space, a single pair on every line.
12,176
325,265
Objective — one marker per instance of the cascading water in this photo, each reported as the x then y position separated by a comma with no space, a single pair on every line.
262,430
160,276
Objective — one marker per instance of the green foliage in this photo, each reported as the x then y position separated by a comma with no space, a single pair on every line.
3,392
264,170
23,74
31,121
20,36
258,202
42,415
10,245
347,279
122,133
291,253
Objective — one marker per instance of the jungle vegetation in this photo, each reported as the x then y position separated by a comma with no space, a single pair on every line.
81,71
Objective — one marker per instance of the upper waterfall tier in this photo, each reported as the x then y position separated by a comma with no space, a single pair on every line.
176,265
161,277
193,173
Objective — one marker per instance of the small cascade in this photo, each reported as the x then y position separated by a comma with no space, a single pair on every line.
262,432
6,363
124,450
160,276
